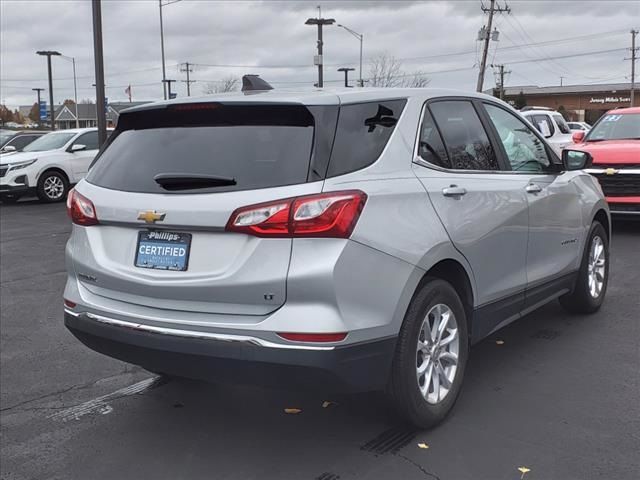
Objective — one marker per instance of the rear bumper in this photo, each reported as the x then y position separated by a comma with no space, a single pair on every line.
229,359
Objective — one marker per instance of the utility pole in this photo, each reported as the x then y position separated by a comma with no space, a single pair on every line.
99,69
633,59
502,74
187,68
168,84
346,71
483,64
320,22
48,54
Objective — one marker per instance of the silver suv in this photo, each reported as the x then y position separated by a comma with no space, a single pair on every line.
352,240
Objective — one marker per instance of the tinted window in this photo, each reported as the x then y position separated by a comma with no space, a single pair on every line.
539,120
90,140
275,150
562,124
430,147
525,151
464,136
362,133
21,141
616,127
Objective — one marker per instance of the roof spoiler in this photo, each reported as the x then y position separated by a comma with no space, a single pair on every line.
254,83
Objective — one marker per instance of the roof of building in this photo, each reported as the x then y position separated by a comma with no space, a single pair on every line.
565,89
87,111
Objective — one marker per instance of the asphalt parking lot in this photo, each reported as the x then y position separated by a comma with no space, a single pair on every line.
555,393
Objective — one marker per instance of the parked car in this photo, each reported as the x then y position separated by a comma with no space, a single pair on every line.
578,126
16,142
614,144
354,240
48,166
551,124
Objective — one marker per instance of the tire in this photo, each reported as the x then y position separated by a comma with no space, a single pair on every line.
433,299
10,198
53,186
584,298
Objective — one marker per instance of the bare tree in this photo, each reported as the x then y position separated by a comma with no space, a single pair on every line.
227,84
386,71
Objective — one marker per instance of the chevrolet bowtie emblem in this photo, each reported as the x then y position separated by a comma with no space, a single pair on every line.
151,216
610,171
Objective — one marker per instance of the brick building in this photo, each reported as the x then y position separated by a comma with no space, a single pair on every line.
581,102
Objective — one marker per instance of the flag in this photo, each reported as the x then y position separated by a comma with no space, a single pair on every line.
128,91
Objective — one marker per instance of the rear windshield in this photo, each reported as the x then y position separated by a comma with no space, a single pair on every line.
256,146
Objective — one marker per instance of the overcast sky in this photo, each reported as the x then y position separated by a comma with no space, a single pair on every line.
269,38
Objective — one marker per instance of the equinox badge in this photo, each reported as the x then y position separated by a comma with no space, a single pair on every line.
151,216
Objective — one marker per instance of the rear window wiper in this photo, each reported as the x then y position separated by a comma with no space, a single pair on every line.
185,181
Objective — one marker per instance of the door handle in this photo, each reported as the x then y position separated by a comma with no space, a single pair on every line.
533,188
454,191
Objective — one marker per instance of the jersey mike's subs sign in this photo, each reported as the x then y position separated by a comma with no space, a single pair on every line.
610,100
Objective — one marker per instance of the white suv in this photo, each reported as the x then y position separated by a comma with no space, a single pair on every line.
551,124
49,165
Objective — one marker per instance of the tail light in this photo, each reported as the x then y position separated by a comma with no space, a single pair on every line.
332,214
81,210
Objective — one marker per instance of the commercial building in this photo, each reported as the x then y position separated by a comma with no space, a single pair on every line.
584,103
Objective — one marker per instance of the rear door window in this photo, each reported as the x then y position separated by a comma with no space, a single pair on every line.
89,140
256,146
562,124
539,121
464,136
362,133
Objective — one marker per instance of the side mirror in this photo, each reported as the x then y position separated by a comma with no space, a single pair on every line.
78,147
578,136
9,148
576,160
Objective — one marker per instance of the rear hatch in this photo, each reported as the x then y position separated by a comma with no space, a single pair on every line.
165,188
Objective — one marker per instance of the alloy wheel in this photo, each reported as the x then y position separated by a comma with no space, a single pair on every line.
53,187
437,353
596,267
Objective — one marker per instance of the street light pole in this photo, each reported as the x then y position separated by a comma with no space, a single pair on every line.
48,54
38,90
320,22
163,3
99,69
360,37
75,87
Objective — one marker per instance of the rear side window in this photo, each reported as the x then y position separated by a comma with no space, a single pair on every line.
362,133
464,136
256,146
562,124
430,147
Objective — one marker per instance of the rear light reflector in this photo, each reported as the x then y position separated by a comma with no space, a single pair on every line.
314,337
332,214
81,210
69,303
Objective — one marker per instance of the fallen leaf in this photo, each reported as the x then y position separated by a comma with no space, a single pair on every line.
328,403
523,470
423,445
499,342
292,411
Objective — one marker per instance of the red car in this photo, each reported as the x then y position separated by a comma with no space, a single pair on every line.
614,144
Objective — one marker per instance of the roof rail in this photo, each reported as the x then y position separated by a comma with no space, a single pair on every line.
526,109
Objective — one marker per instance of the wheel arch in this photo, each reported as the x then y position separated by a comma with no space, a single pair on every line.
54,169
453,272
602,217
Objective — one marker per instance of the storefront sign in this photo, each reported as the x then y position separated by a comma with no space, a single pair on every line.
610,100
